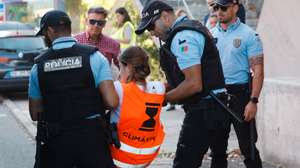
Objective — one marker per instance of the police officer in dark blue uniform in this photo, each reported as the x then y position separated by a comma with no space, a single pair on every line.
241,52
193,69
70,87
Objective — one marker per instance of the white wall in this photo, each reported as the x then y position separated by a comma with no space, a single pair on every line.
278,123
278,118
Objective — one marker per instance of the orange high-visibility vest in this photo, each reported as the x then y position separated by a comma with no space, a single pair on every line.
139,128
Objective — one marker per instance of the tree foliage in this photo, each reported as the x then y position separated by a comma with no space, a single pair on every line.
76,9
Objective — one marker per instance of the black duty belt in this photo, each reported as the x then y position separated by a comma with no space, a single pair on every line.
48,130
237,87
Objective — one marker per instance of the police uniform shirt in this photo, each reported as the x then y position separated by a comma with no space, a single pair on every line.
99,65
187,46
236,45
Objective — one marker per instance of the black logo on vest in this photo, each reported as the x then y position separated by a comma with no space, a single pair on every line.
63,64
151,111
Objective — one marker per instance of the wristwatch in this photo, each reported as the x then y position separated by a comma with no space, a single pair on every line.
254,100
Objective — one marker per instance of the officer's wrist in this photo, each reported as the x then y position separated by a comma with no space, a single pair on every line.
254,100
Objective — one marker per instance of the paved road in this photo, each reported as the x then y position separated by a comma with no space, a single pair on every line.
16,147
172,121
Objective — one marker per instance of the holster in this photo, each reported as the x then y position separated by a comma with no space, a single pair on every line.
114,135
112,132
42,134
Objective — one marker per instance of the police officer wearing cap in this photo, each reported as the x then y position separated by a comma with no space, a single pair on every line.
70,86
192,66
241,52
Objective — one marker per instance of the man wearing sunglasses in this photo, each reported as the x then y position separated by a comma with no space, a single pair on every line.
192,66
241,52
96,20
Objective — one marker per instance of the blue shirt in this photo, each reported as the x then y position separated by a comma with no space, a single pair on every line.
187,46
99,65
236,45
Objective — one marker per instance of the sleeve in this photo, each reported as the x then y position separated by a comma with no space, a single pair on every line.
156,87
127,32
115,114
254,45
34,87
100,68
188,48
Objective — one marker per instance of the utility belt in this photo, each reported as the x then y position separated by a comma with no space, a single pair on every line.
223,99
236,88
205,101
47,131
201,98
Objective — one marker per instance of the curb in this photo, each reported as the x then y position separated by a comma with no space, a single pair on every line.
21,117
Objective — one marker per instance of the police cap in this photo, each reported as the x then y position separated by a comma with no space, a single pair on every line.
53,18
149,12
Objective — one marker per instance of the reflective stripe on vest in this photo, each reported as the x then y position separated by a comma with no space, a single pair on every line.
126,165
138,151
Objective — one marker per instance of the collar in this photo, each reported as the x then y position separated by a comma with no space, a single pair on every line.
178,20
87,35
231,27
62,40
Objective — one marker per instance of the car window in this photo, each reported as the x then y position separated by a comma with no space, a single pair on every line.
22,43
15,26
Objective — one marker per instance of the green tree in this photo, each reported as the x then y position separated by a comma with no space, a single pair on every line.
76,9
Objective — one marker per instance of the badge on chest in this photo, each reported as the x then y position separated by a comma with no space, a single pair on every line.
237,43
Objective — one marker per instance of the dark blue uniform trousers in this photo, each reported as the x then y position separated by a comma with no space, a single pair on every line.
241,95
84,147
203,121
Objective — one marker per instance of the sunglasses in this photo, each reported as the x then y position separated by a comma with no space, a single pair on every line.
223,8
98,22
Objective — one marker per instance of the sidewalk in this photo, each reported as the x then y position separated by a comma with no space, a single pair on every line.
172,121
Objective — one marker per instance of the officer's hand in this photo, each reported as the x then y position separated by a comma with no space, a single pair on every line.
250,111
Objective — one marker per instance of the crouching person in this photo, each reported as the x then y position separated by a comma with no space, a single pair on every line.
138,115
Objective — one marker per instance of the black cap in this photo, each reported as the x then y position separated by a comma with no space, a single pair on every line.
226,2
151,10
53,18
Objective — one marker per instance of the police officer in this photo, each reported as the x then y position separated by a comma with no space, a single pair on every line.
70,85
241,52
192,66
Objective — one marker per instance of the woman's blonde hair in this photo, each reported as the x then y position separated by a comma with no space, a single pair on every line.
138,58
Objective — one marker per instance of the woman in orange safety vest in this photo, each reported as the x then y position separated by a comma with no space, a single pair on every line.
138,115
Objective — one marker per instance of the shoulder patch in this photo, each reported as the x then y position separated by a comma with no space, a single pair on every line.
63,64
257,37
